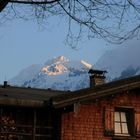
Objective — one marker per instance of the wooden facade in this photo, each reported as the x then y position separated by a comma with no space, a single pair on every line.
109,111
27,114
25,123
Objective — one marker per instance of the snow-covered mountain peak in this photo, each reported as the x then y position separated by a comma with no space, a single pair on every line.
62,59
58,73
57,60
61,65
54,69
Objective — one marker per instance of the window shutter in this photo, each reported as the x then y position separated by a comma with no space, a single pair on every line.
137,124
108,122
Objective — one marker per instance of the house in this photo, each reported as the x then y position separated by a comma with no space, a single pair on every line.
28,114
104,111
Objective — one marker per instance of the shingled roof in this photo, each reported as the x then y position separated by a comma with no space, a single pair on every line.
10,95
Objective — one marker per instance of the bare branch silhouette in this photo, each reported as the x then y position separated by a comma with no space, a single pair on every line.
113,20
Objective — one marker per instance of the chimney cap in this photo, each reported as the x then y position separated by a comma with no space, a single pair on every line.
91,71
5,84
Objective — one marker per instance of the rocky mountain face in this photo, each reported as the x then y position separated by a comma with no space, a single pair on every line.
59,73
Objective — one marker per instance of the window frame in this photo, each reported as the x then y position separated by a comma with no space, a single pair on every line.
129,113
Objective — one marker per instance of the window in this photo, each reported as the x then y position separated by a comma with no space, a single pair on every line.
124,122
121,124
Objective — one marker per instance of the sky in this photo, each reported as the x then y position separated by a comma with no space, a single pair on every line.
23,43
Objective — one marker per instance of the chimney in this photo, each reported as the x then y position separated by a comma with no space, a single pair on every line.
97,77
5,84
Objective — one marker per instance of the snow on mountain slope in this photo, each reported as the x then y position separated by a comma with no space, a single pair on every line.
25,74
59,73
121,62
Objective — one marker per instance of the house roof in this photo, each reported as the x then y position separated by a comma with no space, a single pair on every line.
96,92
26,96
32,97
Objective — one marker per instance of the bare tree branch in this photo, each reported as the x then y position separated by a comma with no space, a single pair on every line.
113,20
3,3
33,2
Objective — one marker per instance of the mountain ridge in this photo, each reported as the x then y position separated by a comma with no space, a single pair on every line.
58,73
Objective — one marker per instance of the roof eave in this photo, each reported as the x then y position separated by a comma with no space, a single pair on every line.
93,95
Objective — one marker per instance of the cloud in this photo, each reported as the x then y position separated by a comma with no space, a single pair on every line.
120,58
